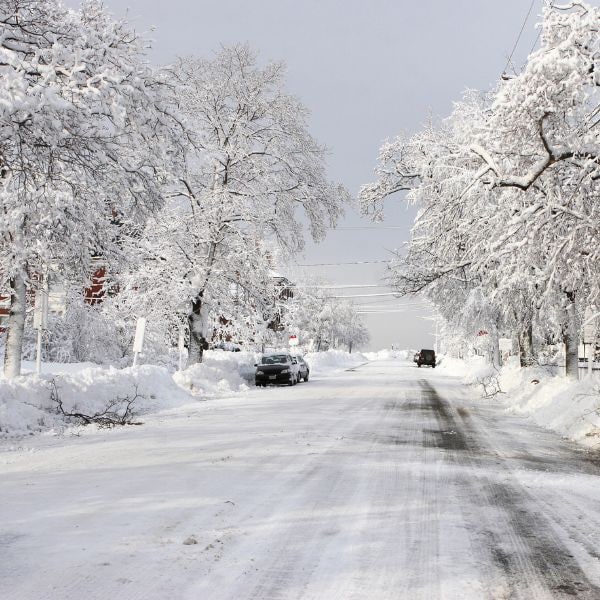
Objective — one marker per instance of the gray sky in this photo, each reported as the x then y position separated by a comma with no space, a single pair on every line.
367,69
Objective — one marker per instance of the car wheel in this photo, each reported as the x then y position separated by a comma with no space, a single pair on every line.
306,378
419,365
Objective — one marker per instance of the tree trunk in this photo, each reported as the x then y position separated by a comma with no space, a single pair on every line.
571,339
350,348
16,327
496,355
526,346
198,342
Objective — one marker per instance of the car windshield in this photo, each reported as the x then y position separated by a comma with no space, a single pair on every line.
274,359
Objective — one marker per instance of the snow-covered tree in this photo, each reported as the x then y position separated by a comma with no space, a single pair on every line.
253,176
84,132
507,235
322,321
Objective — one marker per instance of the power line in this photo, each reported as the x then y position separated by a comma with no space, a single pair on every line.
367,295
382,312
537,39
387,303
339,264
366,307
362,227
518,37
343,286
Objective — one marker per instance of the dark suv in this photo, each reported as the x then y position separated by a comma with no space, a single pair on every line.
426,357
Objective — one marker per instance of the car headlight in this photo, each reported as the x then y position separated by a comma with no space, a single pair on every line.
260,372
285,371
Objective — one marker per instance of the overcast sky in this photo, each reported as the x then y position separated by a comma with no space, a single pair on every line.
367,70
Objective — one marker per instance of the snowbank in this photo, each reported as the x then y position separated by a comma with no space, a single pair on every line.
570,408
222,373
26,406
321,363
472,369
389,355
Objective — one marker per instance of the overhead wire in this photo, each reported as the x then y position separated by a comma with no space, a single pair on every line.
362,227
537,39
343,286
341,264
367,295
509,61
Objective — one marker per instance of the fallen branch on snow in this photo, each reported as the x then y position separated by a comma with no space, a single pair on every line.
490,386
118,411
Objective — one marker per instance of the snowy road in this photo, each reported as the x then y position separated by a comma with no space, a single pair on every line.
385,482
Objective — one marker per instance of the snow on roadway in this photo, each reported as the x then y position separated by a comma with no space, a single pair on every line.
383,482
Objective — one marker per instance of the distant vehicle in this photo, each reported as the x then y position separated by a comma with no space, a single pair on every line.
276,368
426,357
303,369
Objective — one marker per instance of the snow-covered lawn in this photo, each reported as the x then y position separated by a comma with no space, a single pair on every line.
570,408
386,481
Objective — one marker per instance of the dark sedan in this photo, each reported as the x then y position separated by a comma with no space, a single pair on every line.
276,368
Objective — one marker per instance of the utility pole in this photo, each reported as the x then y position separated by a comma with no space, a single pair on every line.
40,319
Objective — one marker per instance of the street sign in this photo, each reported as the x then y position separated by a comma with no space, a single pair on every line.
590,331
293,341
40,310
138,342
140,331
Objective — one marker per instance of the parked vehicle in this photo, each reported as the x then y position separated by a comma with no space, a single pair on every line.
416,357
303,369
276,368
426,357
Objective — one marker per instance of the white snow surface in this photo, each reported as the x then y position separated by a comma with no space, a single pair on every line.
570,408
25,406
387,481
332,361
388,354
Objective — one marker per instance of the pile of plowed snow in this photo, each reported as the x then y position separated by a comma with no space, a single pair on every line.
570,408
331,361
389,355
27,405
